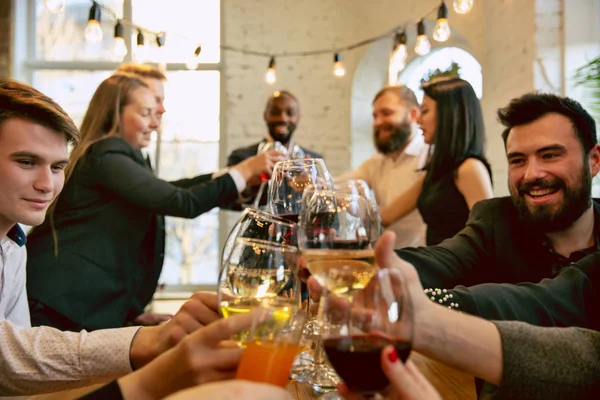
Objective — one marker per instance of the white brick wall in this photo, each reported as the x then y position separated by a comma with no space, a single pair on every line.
336,112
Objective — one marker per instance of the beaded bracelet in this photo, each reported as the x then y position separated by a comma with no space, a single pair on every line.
436,296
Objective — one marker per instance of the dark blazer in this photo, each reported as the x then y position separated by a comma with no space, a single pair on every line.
109,236
496,247
239,155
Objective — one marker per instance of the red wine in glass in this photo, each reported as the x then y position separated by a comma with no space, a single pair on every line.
357,360
290,217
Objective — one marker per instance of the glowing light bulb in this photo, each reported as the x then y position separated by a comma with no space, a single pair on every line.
54,6
192,63
441,32
141,53
338,67
93,32
397,63
270,76
462,6
422,46
119,48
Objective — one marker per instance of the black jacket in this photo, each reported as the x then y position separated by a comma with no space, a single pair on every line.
110,234
496,247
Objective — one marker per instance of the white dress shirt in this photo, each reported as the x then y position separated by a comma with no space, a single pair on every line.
390,178
44,359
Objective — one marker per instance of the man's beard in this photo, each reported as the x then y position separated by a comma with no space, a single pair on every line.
396,140
283,138
575,202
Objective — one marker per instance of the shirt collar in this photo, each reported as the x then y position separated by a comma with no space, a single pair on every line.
17,235
416,146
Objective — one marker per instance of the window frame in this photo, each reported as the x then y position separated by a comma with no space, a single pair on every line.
25,64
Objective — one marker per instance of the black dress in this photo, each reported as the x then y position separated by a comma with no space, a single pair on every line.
443,207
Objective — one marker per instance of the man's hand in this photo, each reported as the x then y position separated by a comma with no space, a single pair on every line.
252,168
206,355
200,310
151,319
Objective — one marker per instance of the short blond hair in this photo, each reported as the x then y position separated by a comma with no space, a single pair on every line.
142,70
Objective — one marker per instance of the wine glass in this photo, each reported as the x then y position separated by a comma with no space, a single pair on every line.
356,329
258,224
335,230
288,181
361,188
259,271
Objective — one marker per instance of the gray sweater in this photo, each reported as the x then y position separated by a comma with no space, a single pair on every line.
547,363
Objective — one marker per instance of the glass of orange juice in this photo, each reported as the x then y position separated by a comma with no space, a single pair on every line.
271,347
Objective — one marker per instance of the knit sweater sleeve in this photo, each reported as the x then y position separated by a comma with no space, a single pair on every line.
547,363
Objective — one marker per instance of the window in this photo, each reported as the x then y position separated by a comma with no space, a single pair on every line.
470,69
59,62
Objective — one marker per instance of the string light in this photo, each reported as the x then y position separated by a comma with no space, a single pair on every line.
338,67
140,50
192,64
422,47
54,6
441,32
398,57
161,39
462,6
270,76
119,47
93,30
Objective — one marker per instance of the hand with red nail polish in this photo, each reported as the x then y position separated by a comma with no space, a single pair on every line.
407,382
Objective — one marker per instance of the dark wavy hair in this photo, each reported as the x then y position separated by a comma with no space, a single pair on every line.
459,130
532,106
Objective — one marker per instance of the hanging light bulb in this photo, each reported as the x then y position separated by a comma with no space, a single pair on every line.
161,39
140,50
270,76
422,46
119,48
398,57
338,67
54,6
193,62
441,32
93,30
462,6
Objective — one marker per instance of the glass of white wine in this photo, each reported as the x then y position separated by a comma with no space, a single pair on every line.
259,272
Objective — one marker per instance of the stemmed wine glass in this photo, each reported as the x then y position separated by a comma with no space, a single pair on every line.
335,229
259,271
258,224
356,329
361,188
288,181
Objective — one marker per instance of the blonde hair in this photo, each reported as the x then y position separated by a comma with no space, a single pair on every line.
102,119
143,70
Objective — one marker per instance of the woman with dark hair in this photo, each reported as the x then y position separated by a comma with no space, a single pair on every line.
457,172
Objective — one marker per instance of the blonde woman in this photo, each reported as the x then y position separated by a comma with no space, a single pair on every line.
104,232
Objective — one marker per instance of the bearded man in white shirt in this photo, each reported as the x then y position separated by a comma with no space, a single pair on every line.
401,155
34,137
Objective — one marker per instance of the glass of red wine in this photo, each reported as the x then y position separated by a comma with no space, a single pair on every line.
335,231
288,181
356,329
